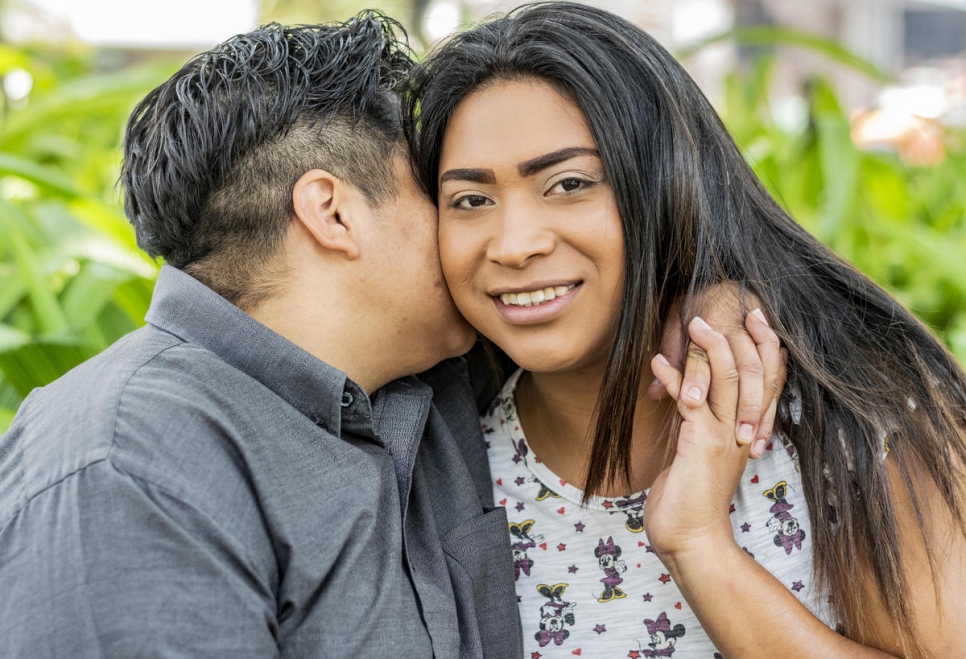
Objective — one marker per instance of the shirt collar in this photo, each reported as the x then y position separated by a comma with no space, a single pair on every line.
183,306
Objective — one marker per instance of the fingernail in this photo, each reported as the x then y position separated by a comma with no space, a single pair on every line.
746,431
700,322
694,393
760,316
758,447
661,358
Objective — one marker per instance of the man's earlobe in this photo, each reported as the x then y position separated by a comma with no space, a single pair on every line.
321,203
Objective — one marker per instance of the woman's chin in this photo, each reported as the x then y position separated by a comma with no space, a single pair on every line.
547,362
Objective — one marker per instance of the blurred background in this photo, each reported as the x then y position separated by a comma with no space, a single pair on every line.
853,112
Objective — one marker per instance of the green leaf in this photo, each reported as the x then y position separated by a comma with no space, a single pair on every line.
839,161
12,338
40,363
46,178
12,58
89,291
50,317
12,289
109,95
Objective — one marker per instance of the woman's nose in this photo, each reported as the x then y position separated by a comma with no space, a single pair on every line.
521,236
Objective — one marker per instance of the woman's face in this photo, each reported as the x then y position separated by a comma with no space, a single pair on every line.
530,239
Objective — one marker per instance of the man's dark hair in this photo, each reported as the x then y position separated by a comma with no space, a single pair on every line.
211,156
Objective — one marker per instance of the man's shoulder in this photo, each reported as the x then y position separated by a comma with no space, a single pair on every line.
148,380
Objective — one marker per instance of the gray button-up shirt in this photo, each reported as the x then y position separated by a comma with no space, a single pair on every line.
207,488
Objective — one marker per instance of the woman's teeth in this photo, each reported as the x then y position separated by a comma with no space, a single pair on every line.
534,298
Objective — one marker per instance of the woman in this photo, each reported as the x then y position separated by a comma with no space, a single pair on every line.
585,184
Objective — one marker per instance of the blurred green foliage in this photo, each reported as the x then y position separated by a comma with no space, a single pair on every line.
72,280
902,225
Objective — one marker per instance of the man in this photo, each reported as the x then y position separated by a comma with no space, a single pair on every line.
252,473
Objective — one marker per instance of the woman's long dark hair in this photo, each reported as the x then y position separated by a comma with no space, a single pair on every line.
868,376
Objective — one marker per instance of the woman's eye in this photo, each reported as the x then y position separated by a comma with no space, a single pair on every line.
470,201
568,185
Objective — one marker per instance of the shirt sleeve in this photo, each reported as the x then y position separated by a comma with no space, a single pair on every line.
105,564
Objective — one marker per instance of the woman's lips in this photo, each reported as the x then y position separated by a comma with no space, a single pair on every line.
535,305
532,298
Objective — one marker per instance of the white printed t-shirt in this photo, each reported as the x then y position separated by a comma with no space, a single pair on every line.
587,582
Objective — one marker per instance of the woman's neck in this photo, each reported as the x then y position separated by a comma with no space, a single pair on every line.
557,416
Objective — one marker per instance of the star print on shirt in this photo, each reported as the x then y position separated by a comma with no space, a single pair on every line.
552,517
520,506
535,655
561,547
634,654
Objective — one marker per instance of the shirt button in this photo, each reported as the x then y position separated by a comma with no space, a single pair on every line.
346,399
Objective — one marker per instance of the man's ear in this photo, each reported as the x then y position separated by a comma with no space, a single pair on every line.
322,203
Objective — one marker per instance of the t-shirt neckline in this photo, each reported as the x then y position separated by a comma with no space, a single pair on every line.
506,402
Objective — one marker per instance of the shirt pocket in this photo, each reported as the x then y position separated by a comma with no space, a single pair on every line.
481,567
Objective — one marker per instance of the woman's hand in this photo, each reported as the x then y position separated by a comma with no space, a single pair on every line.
687,507
757,353
743,608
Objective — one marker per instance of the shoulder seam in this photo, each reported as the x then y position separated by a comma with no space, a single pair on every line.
120,396
49,487
117,469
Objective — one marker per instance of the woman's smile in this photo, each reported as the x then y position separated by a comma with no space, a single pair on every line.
536,304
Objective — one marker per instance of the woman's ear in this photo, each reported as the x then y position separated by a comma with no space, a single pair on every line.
322,204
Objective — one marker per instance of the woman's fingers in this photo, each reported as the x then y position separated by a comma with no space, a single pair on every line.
755,350
672,348
772,368
710,372
667,375
768,420
697,376
751,383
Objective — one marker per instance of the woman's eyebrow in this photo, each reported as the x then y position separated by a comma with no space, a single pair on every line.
534,165
471,175
526,168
